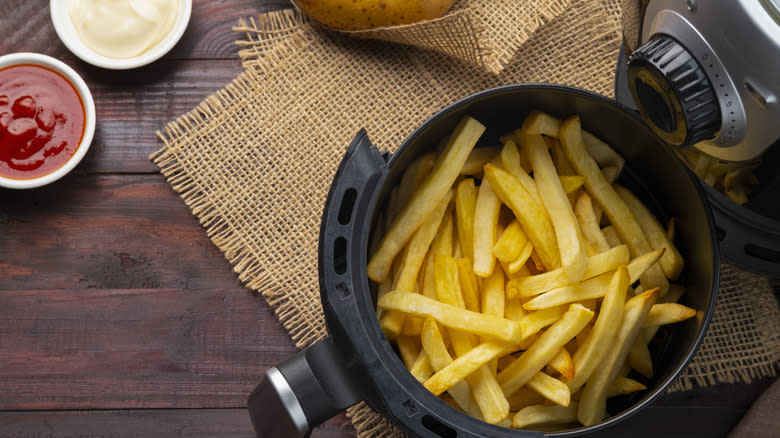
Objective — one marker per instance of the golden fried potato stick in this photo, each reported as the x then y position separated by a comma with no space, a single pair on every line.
596,265
524,397
469,285
593,402
639,357
466,364
668,313
517,265
531,215
571,183
671,262
417,248
421,369
512,162
571,245
559,157
542,123
563,364
439,357
535,321
592,288
465,202
511,242
424,200
589,355
485,229
477,159
589,224
487,394
614,207
550,388
519,372
623,385
454,317
414,175
541,415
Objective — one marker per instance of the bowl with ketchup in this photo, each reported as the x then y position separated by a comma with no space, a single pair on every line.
47,120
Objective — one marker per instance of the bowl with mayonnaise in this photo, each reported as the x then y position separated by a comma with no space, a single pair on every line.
120,34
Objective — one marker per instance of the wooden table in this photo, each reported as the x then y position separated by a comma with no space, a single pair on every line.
119,317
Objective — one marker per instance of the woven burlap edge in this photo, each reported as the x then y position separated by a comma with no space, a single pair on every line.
218,229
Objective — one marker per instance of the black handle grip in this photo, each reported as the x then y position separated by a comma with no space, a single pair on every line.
303,392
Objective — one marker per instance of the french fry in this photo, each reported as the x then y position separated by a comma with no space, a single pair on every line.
465,365
596,265
589,355
531,215
614,207
639,357
538,122
570,183
519,372
392,322
477,159
535,321
563,364
593,404
439,358
469,285
465,203
592,288
610,173
550,388
559,158
668,313
567,231
414,176
454,317
610,233
583,210
512,162
541,415
409,347
424,200
671,262
511,242
421,369
485,222
524,397
518,264
623,385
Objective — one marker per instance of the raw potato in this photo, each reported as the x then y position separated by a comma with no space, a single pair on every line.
367,14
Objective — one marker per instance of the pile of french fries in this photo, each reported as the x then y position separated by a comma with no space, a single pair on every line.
736,180
520,283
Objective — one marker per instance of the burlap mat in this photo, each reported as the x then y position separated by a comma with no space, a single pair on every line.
255,160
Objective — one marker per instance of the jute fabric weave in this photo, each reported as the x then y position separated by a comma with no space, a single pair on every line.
255,160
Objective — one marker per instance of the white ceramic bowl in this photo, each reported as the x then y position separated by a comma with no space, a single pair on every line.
69,36
89,117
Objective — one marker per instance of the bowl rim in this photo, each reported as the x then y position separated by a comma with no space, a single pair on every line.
89,117
65,30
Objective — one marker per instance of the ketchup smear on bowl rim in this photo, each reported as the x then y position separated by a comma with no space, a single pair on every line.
42,121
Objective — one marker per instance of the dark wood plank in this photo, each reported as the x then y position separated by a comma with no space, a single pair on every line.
106,232
217,423
133,105
26,27
133,348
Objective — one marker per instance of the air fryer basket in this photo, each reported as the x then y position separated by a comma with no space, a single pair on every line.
357,350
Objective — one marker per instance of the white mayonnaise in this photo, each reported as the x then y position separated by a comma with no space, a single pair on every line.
122,28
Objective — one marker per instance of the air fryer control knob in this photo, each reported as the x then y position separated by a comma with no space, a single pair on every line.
672,92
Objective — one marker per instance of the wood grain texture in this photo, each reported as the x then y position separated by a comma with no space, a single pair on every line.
222,423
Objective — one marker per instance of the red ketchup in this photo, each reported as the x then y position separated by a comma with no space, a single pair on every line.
41,121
